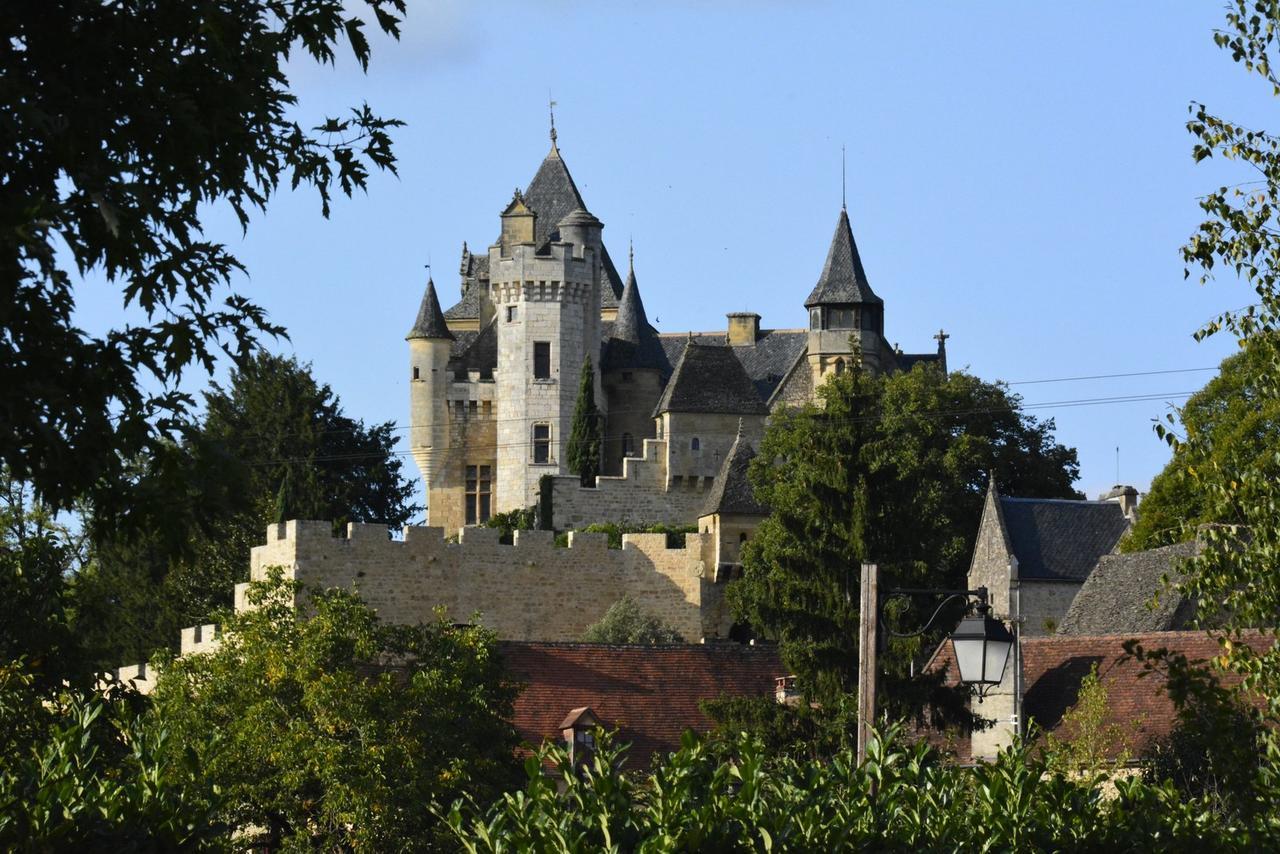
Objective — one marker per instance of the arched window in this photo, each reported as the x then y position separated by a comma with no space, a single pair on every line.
839,366
695,444
628,445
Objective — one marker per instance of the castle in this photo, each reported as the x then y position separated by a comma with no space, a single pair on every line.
494,379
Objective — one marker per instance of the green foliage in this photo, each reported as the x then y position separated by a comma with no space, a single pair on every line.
126,123
626,622
889,470
1228,425
1085,743
273,443
337,731
90,771
513,520
1234,574
583,450
734,796
615,530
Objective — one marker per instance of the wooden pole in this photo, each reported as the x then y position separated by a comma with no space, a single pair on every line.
868,626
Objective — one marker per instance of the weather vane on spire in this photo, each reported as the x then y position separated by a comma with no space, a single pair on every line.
842,180
551,105
631,251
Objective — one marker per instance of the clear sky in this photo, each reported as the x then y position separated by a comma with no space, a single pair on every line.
1018,174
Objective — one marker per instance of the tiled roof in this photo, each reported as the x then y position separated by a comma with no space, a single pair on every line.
468,308
766,362
631,342
1116,595
1139,708
907,361
650,694
843,280
430,322
710,379
1061,540
731,491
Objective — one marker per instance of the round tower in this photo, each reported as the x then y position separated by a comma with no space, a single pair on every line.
430,343
846,318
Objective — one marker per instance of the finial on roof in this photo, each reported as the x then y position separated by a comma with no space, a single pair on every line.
842,180
631,254
941,338
551,106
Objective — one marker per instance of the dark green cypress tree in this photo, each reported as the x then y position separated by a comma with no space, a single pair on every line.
584,440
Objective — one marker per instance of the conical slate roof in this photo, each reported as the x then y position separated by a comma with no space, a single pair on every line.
430,322
731,491
552,195
633,343
843,280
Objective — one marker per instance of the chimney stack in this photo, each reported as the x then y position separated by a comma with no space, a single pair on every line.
744,328
1126,497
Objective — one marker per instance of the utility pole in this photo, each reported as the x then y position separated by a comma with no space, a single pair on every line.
868,625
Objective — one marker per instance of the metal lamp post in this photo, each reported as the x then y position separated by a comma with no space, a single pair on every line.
981,643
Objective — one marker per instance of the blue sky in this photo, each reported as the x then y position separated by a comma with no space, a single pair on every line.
1018,174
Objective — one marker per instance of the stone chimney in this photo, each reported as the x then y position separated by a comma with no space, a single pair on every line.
744,328
1126,497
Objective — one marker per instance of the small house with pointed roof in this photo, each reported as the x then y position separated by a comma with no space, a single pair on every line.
731,512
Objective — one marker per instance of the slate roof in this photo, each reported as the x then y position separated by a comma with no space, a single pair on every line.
650,694
843,280
630,341
766,362
1115,596
710,379
1060,540
907,361
430,322
1137,707
475,351
468,308
731,490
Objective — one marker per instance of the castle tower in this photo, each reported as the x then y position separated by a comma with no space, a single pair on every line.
632,376
844,312
545,276
430,342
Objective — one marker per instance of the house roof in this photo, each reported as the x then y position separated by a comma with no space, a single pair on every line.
843,280
650,694
430,321
1117,595
766,362
710,379
731,491
1060,540
1138,707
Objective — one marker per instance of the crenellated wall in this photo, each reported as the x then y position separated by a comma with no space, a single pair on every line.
531,590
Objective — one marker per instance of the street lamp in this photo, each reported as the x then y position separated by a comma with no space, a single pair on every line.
981,643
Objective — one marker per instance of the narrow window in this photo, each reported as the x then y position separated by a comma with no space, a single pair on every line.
542,360
542,443
628,445
479,494
415,372
695,444
486,409
839,366
511,313
474,405
815,318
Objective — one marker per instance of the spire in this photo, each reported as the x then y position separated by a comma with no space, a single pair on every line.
843,207
551,106
430,323
631,322
843,280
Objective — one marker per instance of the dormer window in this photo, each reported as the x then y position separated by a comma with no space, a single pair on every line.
579,732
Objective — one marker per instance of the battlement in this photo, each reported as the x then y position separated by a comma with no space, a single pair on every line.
197,639
530,589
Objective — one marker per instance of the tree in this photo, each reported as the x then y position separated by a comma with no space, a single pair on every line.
127,122
273,443
337,731
890,470
626,622
583,451
1229,425
1235,571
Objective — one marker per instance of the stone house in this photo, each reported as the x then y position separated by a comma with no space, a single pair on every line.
494,378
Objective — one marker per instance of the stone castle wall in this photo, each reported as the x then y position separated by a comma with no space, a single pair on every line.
531,590
638,496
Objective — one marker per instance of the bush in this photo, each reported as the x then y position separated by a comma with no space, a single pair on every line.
625,622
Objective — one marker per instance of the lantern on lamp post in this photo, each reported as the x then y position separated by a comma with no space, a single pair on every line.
981,644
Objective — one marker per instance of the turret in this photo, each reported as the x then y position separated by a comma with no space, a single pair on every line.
430,343
845,315
582,229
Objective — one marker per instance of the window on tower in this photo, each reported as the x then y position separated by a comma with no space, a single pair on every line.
511,313
840,318
542,443
479,494
542,360
415,373
815,318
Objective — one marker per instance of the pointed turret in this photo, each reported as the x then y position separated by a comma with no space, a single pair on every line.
633,343
631,322
430,322
843,280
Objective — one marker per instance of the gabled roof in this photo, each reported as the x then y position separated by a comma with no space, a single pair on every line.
731,491
1116,595
651,694
1058,539
710,379
430,322
843,280
767,362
